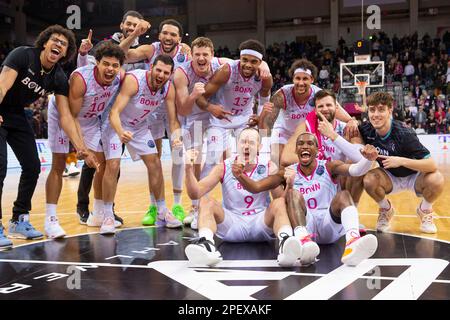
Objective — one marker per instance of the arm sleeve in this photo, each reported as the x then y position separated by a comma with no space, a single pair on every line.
17,59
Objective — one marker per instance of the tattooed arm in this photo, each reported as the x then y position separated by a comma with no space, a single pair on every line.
277,103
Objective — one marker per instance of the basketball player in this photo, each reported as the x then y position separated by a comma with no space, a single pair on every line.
141,94
242,216
312,191
291,104
405,164
333,144
235,85
132,23
92,89
170,35
27,74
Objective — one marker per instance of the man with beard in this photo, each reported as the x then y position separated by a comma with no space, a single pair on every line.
329,132
315,207
141,94
290,105
29,73
170,34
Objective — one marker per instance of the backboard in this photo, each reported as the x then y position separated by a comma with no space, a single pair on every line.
371,72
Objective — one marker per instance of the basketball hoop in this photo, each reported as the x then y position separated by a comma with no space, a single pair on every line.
361,87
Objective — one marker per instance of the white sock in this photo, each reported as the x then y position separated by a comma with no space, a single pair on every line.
177,198
195,203
425,205
98,207
152,198
286,229
108,210
50,210
161,204
300,231
384,204
177,176
350,222
206,233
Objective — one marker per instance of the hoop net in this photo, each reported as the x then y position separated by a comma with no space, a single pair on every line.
361,87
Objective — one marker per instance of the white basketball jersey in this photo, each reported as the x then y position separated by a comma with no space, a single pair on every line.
318,189
52,110
144,103
97,97
294,113
193,78
328,150
237,97
236,198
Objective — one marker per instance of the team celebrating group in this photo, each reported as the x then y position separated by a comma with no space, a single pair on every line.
126,95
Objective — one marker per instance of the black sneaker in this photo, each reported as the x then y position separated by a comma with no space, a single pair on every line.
83,216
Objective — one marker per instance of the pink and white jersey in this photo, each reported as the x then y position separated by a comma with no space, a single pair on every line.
327,148
238,200
237,97
97,97
294,113
193,78
144,103
318,189
178,57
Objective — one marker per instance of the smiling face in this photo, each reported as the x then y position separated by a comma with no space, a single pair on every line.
108,68
327,107
302,83
160,74
169,37
248,145
306,149
129,25
380,116
201,59
55,48
249,65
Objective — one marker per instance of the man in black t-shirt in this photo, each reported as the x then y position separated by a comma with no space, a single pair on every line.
405,164
27,74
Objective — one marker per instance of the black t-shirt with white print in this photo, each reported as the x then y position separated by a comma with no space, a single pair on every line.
31,83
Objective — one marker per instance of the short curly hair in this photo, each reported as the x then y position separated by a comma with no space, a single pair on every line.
252,45
109,49
45,35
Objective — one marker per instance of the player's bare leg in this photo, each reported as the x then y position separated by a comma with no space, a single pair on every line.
109,187
377,184
430,186
97,216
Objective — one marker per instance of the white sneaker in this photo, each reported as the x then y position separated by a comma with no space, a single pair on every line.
52,228
108,226
190,217
73,171
426,220
171,221
310,250
65,172
95,220
203,252
384,218
290,251
359,249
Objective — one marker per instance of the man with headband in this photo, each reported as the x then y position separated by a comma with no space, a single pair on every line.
234,85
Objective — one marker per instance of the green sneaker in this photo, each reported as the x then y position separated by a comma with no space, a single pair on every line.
178,212
150,216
